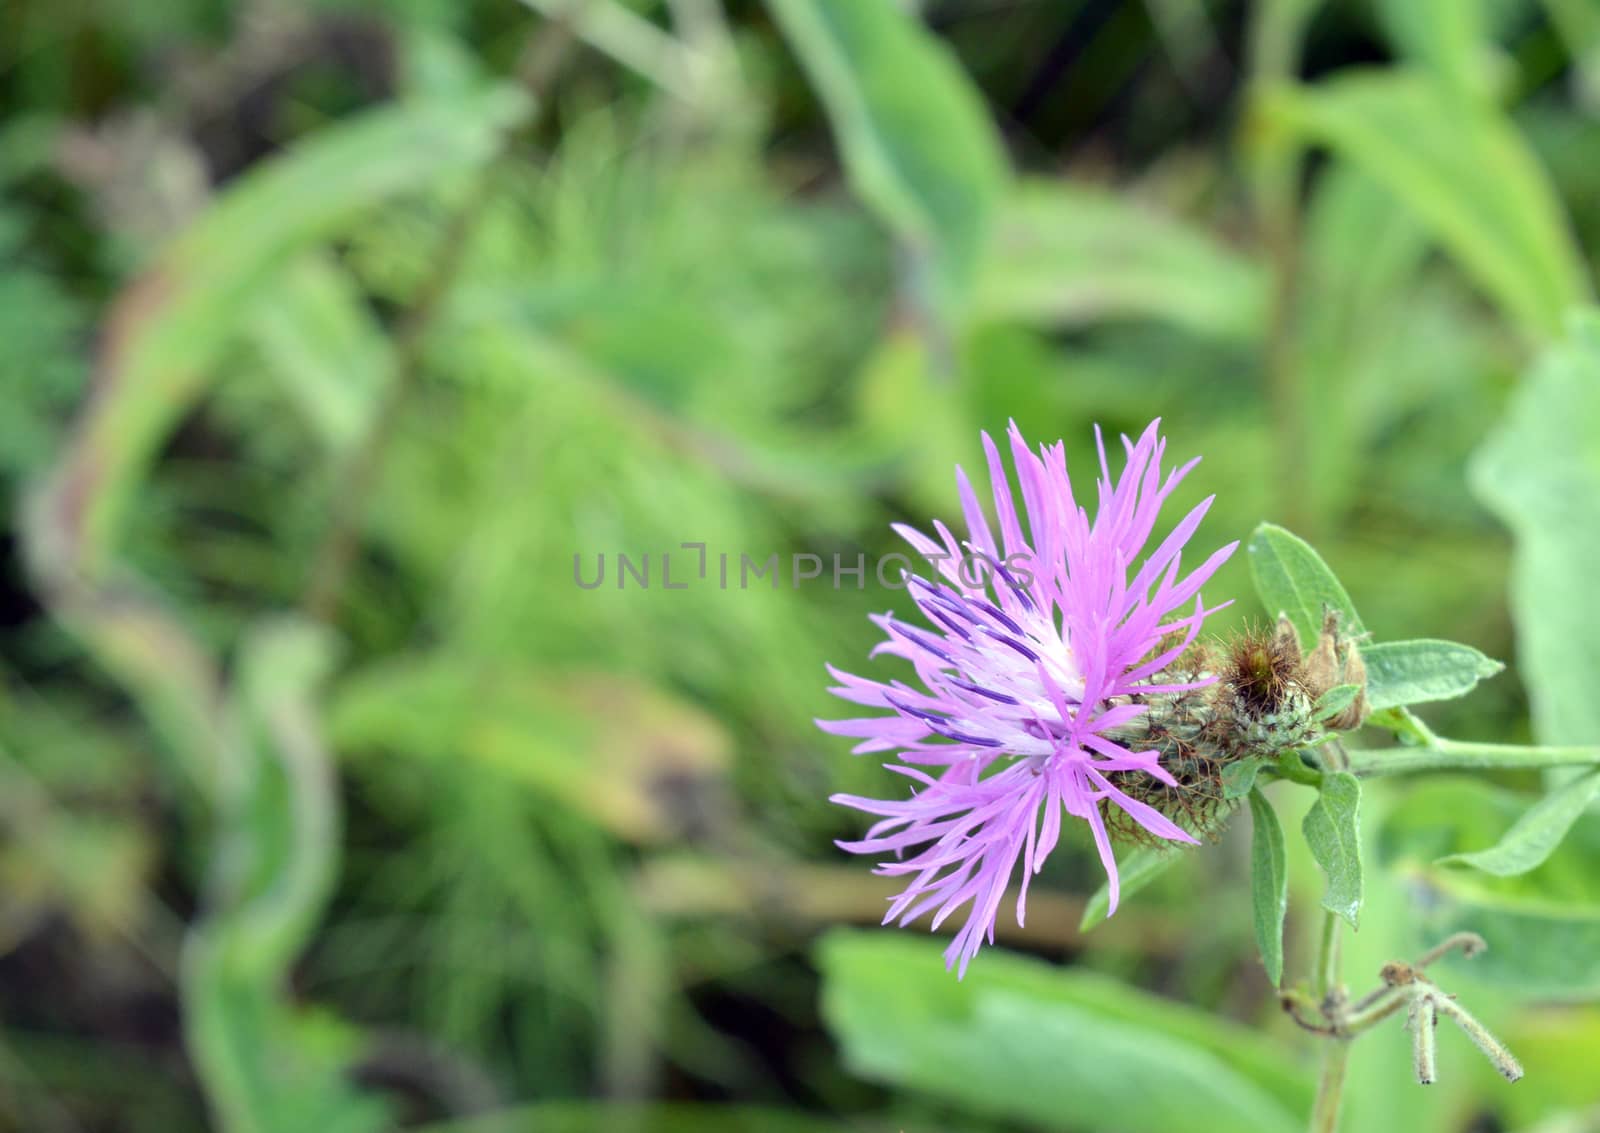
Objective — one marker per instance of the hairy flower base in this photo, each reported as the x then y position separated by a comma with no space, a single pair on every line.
1253,697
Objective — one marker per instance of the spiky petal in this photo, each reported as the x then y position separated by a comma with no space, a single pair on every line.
1026,670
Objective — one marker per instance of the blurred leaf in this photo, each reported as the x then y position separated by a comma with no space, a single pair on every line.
1134,872
1537,833
641,1117
1537,947
1579,24
1416,672
1363,351
166,333
268,1066
913,130
1451,37
898,373
1332,830
1560,1041
629,38
1539,472
1063,254
629,757
42,369
1440,814
1292,579
1054,1047
170,327
1543,926
324,346
1463,169
1269,884
1446,815
92,866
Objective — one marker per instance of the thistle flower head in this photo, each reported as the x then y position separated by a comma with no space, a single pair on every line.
1025,674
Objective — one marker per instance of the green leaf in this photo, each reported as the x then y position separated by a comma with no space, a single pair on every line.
917,142
1134,872
1064,254
1239,777
1537,833
1463,169
1543,927
1058,1047
1416,672
267,1063
1335,701
1539,472
1269,884
1292,579
1451,37
325,348
1332,830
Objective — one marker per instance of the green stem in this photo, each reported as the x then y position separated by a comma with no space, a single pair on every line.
1330,1089
1453,755
1388,1002
1326,978
1335,1055
1291,767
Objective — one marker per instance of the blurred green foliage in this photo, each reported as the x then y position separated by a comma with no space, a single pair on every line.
335,332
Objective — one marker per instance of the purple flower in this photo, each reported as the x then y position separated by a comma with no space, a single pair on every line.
1026,672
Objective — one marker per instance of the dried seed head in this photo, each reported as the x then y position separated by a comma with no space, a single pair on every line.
1337,661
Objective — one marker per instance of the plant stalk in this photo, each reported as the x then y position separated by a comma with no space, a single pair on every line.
1456,755
1336,1053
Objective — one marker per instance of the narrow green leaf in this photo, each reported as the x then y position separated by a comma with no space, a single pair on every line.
1239,777
1539,472
1451,37
266,1063
1269,884
1462,168
1416,672
1542,927
1052,1046
321,342
1537,833
1335,701
917,142
1332,830
1292,579
1134,872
